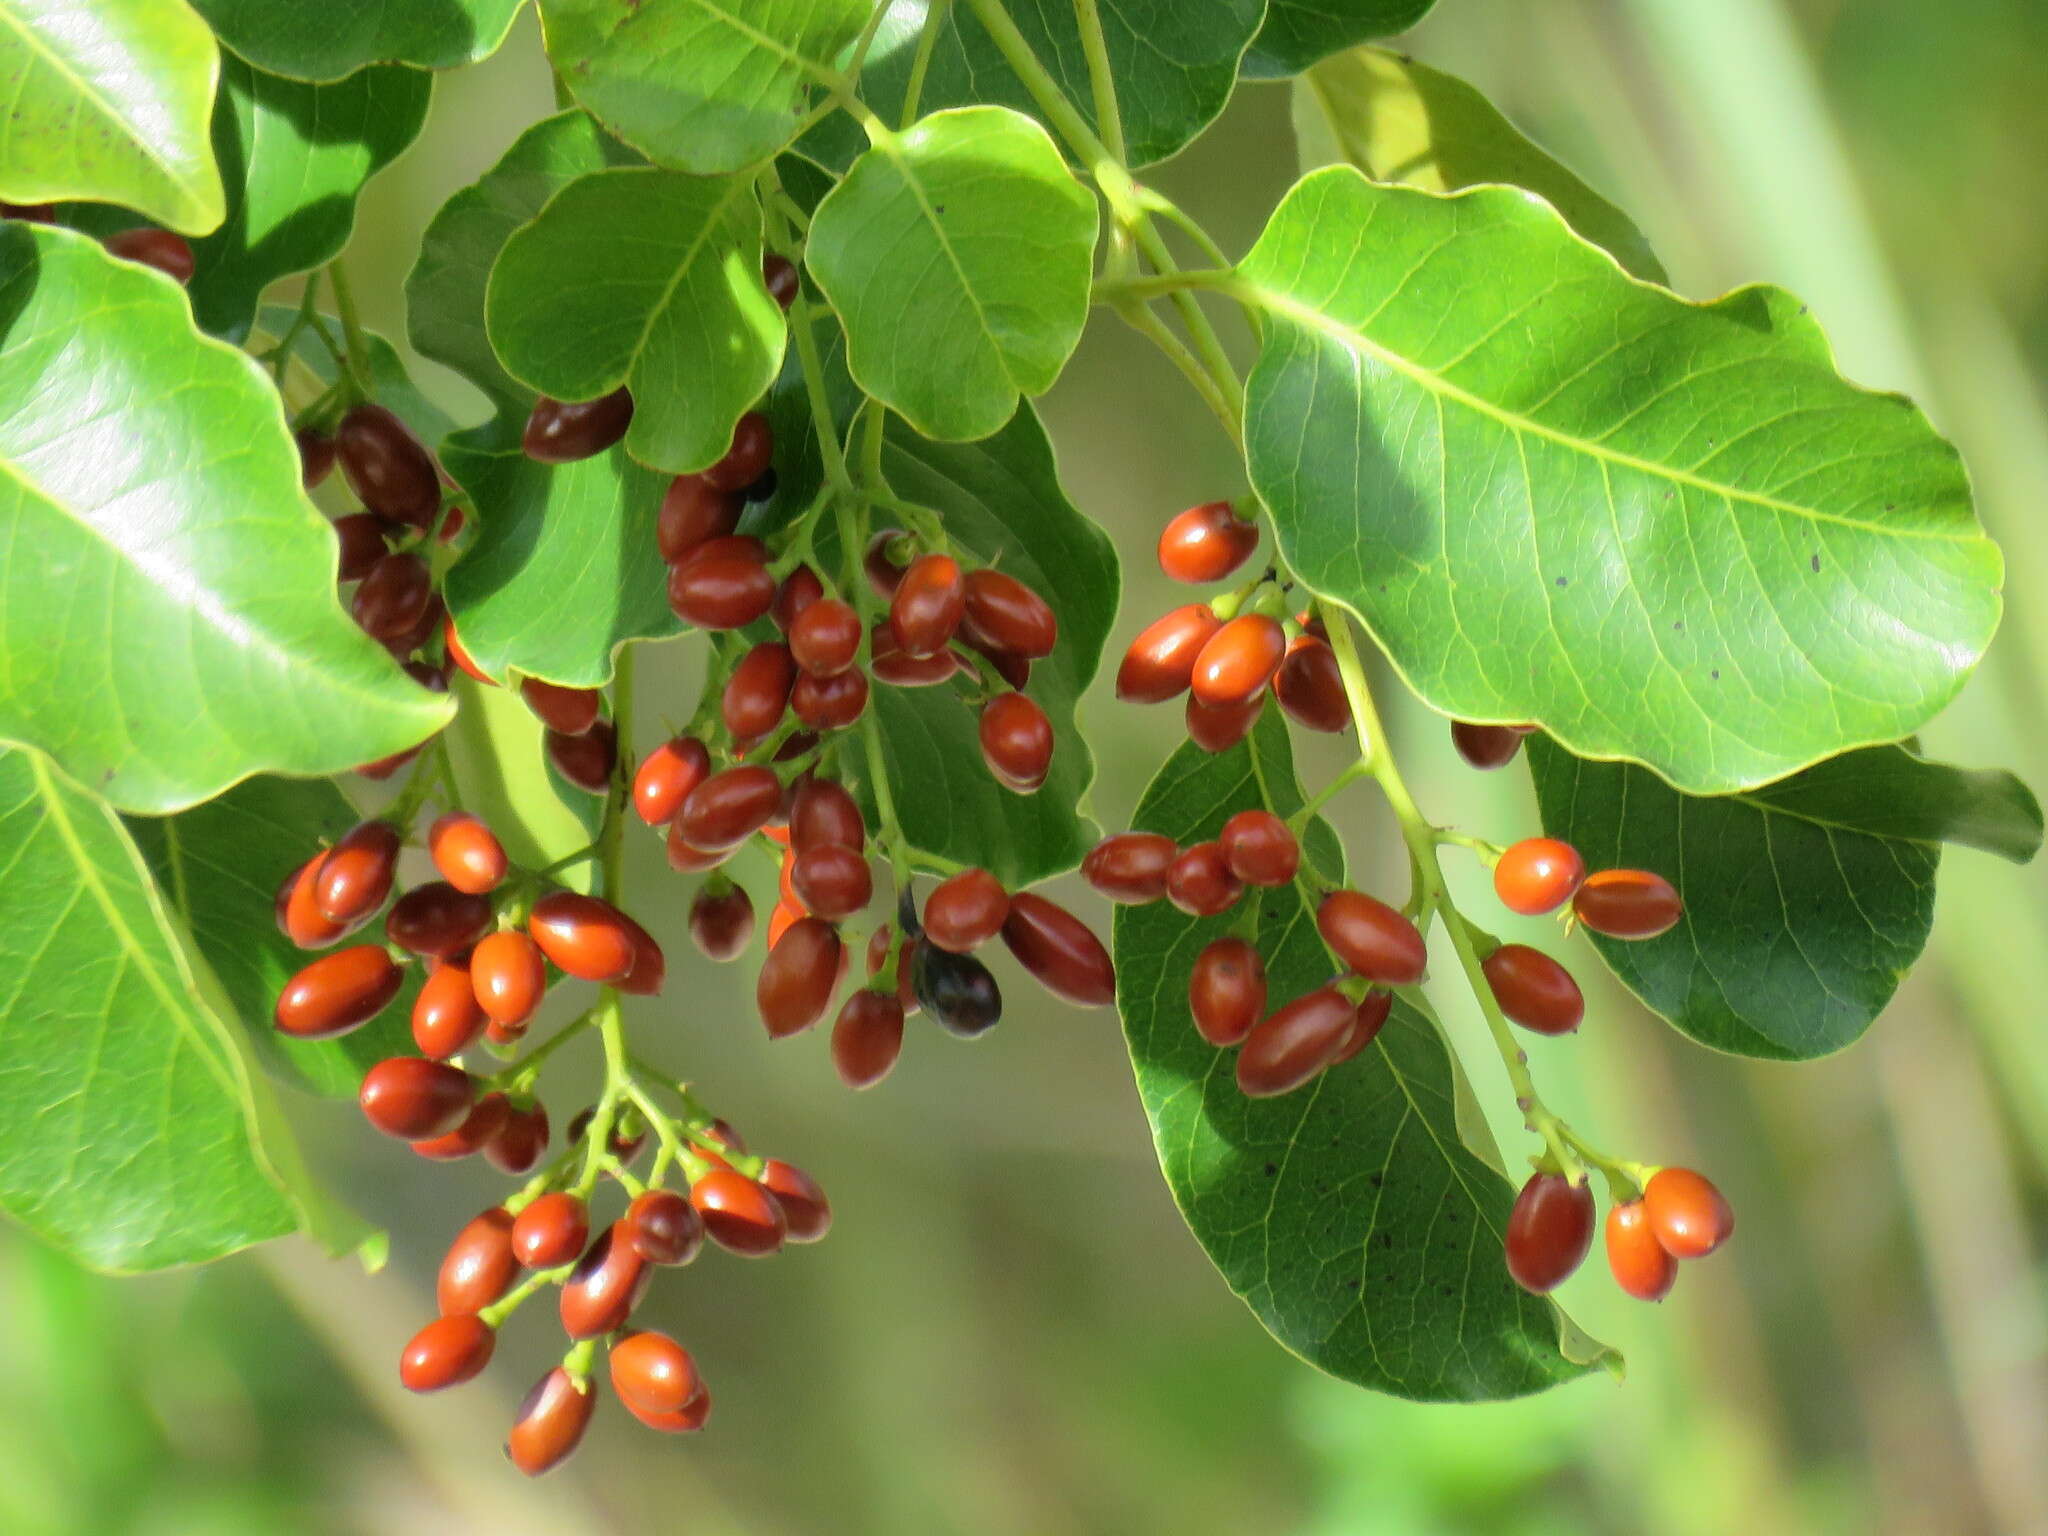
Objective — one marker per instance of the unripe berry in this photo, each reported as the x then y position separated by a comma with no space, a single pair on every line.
665,778
651,1371
355,876
337,993
586,936
509,976
446,1017
486,1119
1639,1263
1537,875
1687,1213
929,601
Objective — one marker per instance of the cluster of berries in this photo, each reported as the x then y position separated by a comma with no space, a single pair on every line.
1679,1215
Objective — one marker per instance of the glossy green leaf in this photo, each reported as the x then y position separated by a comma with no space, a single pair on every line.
1296,33
322,40
167,600
295,157
678,312
1805,901
1174,64
501,774
1348,1215
705,86
218,867
131,1127
108,100
1401,121
958,256
1665,531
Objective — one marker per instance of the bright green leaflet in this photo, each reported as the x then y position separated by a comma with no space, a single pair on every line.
295,157
1667,532
958,256
217,867
1296,33
322,40
131,1128
1174,64
494,748
1805,901
679,312
704,86
167,602
1349,1215
1400,121
108,100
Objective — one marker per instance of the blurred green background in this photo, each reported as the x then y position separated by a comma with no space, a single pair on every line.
1009,1330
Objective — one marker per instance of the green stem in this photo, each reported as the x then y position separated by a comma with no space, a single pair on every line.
921,62
1101,81
611,860
282,356
358,359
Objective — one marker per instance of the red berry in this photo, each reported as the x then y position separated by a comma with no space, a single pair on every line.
563,431
965,910
807,1214
1639,1263
722,922
1200,883
723,583
1310,687
479,1266
799,590
1549,1231
690,860
779,276
1219,727
884,574
467,853
825,637
1206,543
359,540
337,993
1486,746
1534,990
551,1231
1016,741
829,703
586,936
572,711
1239,659
688,1419
693,513
550,1423
436,919
446,1017
509,975
1160,663
757,693
1058,949
753,447
484,1122
1295,1043
1227,990
664,1228
1130,867
298,910
1366,1026
652,1372
520,1141
587,761
388,468
1372,938
930,599
170,254
413,1098
447,1352
1688,1215
605,1286
1537,875
1014,671
797,979
729,807
893,665
355,877
1627,904
867,1037
739,1214
1259,848
1003,614
666,776
832,881
906,957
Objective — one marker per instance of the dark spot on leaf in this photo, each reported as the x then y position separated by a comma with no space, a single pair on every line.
1271,1169
1564,581
1715,674
1351,1284
1678,623
1375,1180
1816,565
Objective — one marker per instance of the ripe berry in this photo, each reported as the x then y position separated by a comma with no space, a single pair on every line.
893,665
413,1098
867,1037
1016,741
337,993
1206,543
1130,867
806,1212
1015,671
1200,883
688,1419
956,990
1227,990
832,881
563,431
1160,663
693,513
722,921
1627,904
520,1141
723,583
388,468
1372,938
1259,848
1058,949
509,975
605,1286
757,693
1219,727
550,1423
1486,746
797,979
1537,875
829,703
1688,1215
1294,1044
479,1266
355,877
883,573
316,461
298,911
359,541
1639,1263
436,919
1549,1231
753,445
1310,687
572,711
1366,1025
825,637
466,852
906,961
551,1231
664,1228
169,253
799,590
651,1371
1239,659
729,807
666,776
586,761
779,276
586,936
447,1352
446,1017
459,654
739,1214
930,599
965,910
1003,614
1534,990
689,860
483,1123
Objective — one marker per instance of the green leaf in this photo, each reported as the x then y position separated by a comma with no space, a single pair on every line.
1805,901
444,295
502,775
295,157
679,311
704,86
959,257
313,369
131,1128
1349,1215
1296,33
218,866
320,40
1400,121
167,599
1000,498
1701,548
1175,66
108,100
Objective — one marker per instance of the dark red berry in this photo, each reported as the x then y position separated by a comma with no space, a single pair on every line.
1627,904
1003,614
829,703
1016,741
729,807
388,468
722,921
893,665
587,761
1366,1026
1219,727
779,276
664,1228
806,1212
413,1098
484,1122
1227,990
723,583
1058,949
563,431
170,254
520,1141
1206,543
1549,1231
825,637
832,881
360,540
1130,867
337,993
355,877
822,812
572,711
1259,848
1295,1043
1485,746
965,910
928,605
1200,883
1310,687
1372,938
753,446
693,513
757,693
867,1036
1534,990
797,979
436,919
605,1286
883,573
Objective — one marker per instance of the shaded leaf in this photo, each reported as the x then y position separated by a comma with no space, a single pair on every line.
1296,33
319,40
